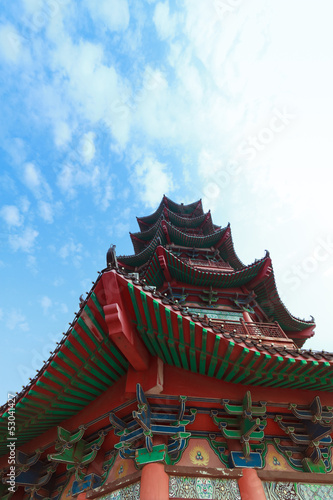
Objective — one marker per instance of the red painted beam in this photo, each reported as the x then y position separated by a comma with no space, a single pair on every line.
161,254
121,330
265,271
151,380
165,231
208,216
307,333
179,381
224,238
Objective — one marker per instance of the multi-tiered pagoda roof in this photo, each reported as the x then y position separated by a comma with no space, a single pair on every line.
183,298
173,228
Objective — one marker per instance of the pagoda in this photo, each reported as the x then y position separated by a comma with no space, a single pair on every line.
182,376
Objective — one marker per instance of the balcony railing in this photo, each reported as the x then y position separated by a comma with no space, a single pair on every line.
269,332
217,265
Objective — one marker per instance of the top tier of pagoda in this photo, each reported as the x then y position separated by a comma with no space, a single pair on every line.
181,252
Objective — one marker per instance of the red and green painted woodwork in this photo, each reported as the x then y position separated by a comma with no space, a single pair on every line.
32,472
239,423
4,493
76,452
182,340
168,230
146,425
109,334
168,302
310,433
247,424
92,480
35,476
243,422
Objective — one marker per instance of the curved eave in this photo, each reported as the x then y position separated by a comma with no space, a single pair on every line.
191,343
87,361
193,208
132,262
85,364
227,252
270,302
141,239
179,238
258,276
184,273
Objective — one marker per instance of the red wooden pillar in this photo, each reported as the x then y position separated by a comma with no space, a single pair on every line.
250,486
154,482
247,317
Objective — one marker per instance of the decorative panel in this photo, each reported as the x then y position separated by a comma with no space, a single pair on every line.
203,488
217,314
131,492
298,491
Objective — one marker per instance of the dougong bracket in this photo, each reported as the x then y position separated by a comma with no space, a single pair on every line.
137,436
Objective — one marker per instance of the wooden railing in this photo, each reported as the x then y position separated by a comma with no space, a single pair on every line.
208,263
268,332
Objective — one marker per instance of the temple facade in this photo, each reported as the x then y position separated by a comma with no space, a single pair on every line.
182,376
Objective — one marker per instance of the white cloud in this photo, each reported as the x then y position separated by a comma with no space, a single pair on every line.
151,180
16,148
122,228
46,303
11,215
165,23
10,43
25,204
24,241
16,320
32,6
87,147
97,179
63,308
32,177
46,211
93,91
73,251
66,179
58,282
34,180
32,263
114,14
70,248
62,134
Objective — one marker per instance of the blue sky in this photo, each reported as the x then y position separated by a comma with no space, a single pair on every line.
107,105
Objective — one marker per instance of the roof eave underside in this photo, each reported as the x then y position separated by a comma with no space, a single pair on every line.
266,291
180,238
270,301
184,273
140,239
82,367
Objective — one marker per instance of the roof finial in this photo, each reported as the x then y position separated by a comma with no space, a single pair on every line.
111,257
